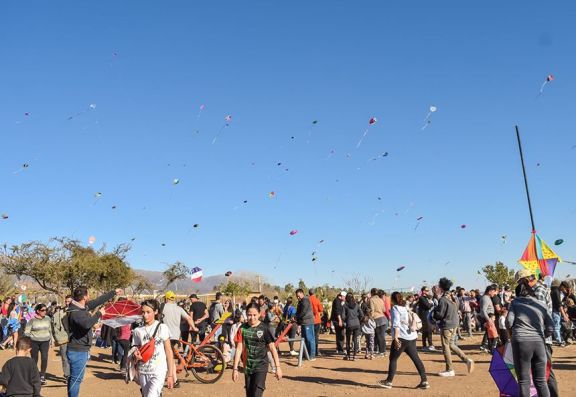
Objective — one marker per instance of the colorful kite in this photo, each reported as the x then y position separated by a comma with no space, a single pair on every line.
91,240
371,122
538,257
196,274
293,232
175,181
549,79
121,313
271,195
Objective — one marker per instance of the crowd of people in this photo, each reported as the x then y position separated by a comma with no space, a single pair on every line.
530,316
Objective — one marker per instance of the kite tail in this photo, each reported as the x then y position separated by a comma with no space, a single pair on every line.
361,139
218,134
542,87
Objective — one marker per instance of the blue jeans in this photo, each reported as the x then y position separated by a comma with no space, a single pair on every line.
557,319
77,360
309,339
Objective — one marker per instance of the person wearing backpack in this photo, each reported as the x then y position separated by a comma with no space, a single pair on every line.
446,313
61,336
404,334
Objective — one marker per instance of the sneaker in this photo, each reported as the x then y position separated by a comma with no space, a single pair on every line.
423,385
340,352
346,358
470,365
431,348
447,374
293,353
176,384
42,380
312,359
562,344
386,384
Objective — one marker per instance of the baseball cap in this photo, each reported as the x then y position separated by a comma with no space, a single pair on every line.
170,295
193,296
343,293
523,273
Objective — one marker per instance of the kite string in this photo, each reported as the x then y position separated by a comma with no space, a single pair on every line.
362,138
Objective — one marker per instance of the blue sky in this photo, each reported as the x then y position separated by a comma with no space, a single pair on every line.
275,67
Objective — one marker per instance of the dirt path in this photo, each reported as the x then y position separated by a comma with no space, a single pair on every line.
327,376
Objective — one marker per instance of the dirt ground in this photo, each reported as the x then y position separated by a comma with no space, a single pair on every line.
327,376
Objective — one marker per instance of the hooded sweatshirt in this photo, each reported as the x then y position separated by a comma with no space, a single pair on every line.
447,313
353,314
80,322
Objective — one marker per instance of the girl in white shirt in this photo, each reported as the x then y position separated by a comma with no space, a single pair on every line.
152,373
404,339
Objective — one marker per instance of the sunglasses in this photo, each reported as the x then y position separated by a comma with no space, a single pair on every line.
42,310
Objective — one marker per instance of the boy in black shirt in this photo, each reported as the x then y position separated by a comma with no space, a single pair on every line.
20,374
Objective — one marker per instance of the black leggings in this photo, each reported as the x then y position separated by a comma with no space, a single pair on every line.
255,384
409,346
41,347
352,336
530,357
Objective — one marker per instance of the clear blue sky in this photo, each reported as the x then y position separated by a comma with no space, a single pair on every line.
276,67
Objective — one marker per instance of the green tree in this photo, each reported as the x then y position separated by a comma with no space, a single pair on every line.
499,274
289,289
175,272
302,286
63,264
141,284
234,289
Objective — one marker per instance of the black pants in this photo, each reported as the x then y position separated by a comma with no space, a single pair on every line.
426,332
317,336
409,346
200,334
255,384
381,338
352,337
41,347
339,337
530,357
125,347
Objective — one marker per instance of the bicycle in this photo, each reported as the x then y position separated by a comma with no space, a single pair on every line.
205,361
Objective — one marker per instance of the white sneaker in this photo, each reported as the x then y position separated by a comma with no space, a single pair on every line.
447,374
293,353
431,348
470,365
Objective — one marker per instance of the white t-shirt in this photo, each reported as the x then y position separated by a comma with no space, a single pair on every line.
156,364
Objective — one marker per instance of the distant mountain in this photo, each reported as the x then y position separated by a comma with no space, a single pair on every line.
187,286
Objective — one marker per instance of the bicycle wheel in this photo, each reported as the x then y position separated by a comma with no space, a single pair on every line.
208,364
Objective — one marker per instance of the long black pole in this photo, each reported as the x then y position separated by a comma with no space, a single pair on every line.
525,180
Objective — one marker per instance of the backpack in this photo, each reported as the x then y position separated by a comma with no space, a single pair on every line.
414,322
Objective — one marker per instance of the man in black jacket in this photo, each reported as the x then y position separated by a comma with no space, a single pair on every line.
80,323
425,304
305,318
337,318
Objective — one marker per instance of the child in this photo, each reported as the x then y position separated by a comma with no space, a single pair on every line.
253,340
11,330
502,331
368,330
151,374
20,375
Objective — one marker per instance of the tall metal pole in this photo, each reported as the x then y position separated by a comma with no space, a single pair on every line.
525,180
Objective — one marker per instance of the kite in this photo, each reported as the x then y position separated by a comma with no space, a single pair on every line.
315,122
196,225
227,121
400,268
163,244
121,313
272,194
418,222
113,207
558,242
196,274
228,273
97,196
427,120
504,237
4,216
371,122
320,242
90,107
91,240
462,226
549,79
293,232
22,168
175,181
